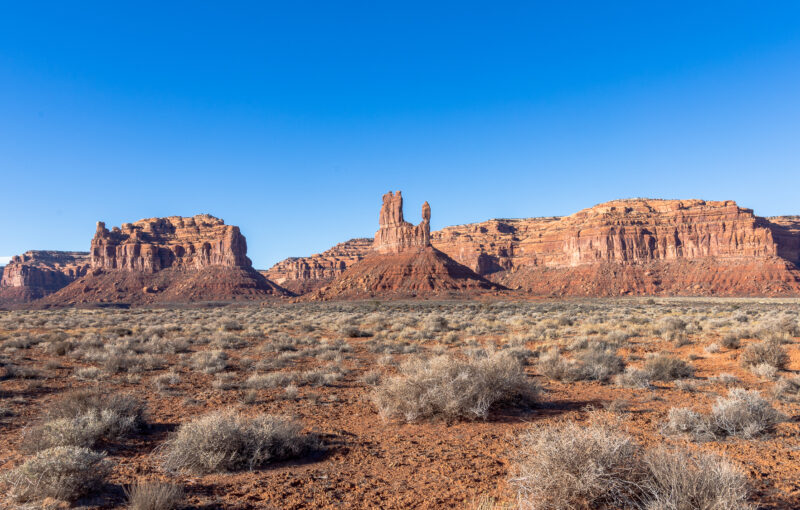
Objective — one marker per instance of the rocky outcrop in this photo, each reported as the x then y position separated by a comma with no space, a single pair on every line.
302,274
395,235
37,273
172,259
154,244
402,263
636,246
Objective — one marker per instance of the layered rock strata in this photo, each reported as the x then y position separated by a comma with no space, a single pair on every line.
302,274
37,273
154,244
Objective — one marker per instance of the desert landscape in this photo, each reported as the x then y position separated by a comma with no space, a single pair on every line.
399,255
637,354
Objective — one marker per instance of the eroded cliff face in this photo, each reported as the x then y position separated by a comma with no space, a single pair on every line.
37,273
639,241
176,242
622,231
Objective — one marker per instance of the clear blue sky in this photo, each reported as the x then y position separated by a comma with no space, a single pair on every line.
291,119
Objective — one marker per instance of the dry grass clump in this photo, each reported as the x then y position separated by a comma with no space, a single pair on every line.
732,340
210,362
154,496
449,388
82,418
633,378
742,414
571,466
223,441
596,362
660,367
63,472
769,352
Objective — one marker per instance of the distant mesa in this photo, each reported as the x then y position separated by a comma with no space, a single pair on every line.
174,259
402,263
38,273
305,274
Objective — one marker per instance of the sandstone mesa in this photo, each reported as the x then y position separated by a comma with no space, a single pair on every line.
173,259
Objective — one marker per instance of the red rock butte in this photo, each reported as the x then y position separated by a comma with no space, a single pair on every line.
172,259
402,263
395,235
154,244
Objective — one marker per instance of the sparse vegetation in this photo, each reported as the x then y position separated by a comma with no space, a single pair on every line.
79,380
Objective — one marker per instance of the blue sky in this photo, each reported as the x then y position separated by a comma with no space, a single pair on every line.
291,119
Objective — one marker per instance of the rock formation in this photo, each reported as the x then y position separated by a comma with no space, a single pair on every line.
172,259
37,273
636,246
395,235
158,243
302,274
402,263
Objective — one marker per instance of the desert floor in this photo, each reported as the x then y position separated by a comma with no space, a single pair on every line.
324,365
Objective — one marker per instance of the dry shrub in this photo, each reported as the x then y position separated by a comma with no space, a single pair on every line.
154,496
678,480
770,353
62,472
660,367
450,388
566,466
745,414
742,414
226,441
731,340
571,466
633,378
82,418
210,362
